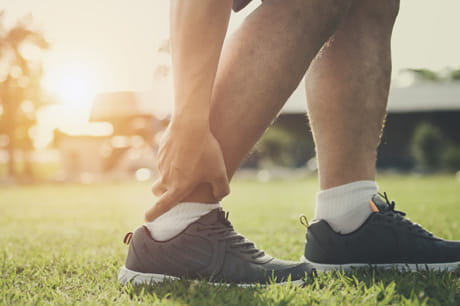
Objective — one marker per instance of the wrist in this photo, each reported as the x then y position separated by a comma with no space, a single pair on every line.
190,122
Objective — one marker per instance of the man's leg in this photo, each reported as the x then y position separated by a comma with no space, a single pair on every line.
347,89
260,67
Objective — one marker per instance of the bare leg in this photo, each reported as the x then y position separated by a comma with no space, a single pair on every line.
260,67
347,89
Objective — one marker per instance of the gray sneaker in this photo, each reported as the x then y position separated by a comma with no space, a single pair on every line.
208,249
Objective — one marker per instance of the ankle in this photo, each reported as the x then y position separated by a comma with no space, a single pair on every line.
201,194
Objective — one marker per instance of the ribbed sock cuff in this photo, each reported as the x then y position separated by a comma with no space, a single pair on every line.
346,207
177,219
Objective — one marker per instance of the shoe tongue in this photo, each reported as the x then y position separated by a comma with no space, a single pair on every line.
378,204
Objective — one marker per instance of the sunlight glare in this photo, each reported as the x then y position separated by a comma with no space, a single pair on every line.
74,86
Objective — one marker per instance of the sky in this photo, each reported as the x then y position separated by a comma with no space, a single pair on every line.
110,45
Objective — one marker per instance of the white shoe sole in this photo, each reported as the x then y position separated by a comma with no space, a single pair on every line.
137,278
403,267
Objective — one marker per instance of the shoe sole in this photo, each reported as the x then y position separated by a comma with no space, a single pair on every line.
402,267
138,278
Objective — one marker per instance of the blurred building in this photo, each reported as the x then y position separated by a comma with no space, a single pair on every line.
432,102
137,122
130,146
81,156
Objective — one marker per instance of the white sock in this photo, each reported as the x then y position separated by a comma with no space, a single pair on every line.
177,219
346,207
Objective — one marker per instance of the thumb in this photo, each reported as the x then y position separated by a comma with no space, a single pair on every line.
168,200
158,188
220,187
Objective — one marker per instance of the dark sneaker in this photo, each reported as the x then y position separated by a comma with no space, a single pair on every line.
385,240
208,249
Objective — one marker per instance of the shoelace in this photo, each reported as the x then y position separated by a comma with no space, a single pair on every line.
225,229
399,216
391,204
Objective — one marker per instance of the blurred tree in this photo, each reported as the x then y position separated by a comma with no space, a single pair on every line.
455,75
165,47
20,89
162,70
451,158
425,74
427,146
276,147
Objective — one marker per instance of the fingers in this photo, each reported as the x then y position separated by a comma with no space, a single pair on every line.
168,200
220,187
158,188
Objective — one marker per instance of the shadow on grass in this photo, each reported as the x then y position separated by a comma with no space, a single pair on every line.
441,288
359,286
202,293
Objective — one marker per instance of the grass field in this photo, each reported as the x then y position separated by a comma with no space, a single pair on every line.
62,244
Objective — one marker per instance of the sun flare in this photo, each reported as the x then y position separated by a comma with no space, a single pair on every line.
73,86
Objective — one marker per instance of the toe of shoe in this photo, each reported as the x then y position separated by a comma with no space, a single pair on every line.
450,251
284,270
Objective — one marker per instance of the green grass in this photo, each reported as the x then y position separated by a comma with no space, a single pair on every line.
41,171
62,244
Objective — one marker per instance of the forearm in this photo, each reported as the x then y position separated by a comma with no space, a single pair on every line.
198,30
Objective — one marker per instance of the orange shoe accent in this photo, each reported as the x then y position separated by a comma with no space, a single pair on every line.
127,238
374,207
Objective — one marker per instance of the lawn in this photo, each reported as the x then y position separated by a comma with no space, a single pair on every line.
62,244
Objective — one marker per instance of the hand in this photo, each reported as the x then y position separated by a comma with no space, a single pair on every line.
188,156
